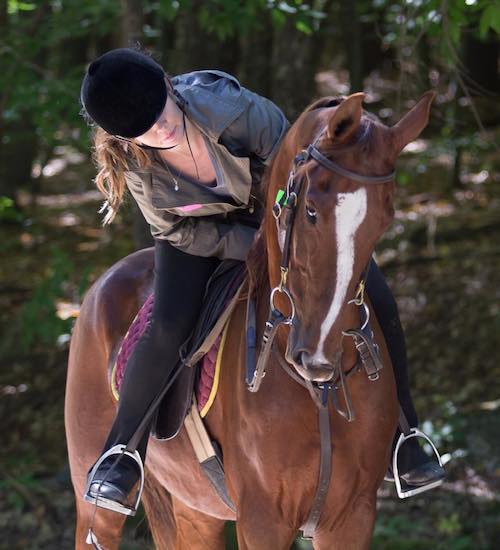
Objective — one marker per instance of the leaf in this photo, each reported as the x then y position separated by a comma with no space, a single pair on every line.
302,26
490,19
278,17
14,6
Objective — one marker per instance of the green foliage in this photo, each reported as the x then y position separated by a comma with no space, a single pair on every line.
405,23
490,19
13,6
42,68
37,323
8,211
227,18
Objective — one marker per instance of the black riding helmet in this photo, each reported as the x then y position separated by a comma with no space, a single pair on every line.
124,92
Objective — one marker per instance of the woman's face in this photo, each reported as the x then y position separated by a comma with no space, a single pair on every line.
168,130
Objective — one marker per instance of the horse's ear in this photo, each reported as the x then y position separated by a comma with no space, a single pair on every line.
410,126
345,119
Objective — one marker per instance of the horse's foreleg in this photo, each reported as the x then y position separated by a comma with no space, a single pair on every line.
195,530
106,527
353,530
89,413
259,527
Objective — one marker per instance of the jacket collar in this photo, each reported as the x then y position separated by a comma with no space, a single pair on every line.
210,99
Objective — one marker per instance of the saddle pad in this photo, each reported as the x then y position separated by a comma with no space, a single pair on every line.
208,381
135,331
221,289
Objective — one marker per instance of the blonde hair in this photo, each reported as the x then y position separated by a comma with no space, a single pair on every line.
112,157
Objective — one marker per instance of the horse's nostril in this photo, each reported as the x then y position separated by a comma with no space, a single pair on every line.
301,357
306,359
297,358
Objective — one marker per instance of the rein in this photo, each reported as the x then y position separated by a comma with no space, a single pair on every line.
285,205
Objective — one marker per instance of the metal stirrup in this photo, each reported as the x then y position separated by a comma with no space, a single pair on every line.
103,502
414,432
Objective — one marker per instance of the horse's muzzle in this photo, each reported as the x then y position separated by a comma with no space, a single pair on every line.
313,371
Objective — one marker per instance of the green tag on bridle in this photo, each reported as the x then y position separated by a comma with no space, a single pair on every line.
280,195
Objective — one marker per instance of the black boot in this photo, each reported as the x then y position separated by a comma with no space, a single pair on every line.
112,479
417,471
415,467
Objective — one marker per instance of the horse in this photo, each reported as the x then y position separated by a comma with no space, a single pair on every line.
269,439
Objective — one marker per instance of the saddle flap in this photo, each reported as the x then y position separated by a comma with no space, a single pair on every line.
174,406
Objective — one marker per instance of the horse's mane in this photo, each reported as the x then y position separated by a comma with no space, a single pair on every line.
257,256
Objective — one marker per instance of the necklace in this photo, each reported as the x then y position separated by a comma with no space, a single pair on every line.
176,183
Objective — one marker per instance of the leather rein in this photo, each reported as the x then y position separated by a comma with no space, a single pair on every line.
285,205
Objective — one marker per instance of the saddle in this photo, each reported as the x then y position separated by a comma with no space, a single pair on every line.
198,354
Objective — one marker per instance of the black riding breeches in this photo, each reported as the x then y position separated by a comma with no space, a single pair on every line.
386,311
179,286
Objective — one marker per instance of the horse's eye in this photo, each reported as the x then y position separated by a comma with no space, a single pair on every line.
312,215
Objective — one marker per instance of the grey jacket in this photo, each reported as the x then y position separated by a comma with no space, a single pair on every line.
242,131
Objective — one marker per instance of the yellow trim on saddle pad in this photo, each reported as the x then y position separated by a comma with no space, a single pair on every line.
215,385
114,389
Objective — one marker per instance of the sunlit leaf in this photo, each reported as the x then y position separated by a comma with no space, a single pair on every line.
302,26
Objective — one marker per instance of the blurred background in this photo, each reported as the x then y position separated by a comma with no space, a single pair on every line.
441,256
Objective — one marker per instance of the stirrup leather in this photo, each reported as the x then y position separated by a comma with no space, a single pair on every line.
103,502
406,493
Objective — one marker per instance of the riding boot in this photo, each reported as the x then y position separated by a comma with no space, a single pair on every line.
415,467
179,286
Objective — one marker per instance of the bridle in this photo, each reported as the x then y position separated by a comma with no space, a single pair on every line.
286,206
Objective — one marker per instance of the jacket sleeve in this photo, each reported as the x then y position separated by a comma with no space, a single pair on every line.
207,237
259,129
203,236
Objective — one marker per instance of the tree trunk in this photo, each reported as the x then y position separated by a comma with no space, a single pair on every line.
352,40
255,69
132,25
481,61
132,22
294,69
20,142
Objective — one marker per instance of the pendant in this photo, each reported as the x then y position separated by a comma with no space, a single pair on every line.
176,186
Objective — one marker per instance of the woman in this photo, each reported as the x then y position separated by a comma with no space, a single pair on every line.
191,150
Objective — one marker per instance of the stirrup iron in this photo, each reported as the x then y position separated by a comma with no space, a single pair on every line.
103,502
406,493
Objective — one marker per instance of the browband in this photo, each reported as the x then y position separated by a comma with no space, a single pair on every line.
313,152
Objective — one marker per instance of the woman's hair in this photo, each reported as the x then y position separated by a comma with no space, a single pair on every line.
112,157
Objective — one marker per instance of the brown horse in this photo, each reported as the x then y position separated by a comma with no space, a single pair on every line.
269,439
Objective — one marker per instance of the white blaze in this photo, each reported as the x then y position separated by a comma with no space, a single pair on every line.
349,215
